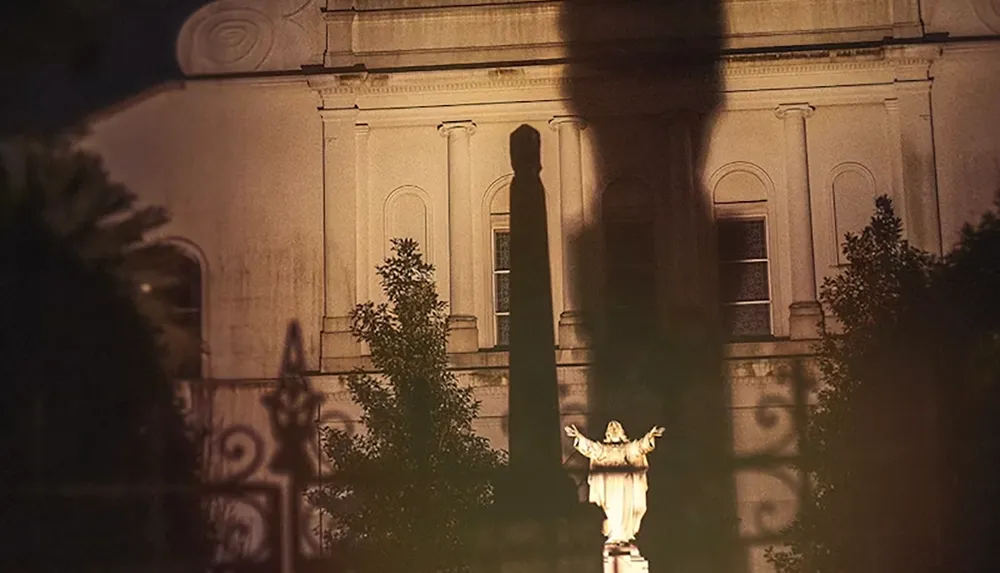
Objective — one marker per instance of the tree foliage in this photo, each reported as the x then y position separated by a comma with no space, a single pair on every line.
402,494
902,444
87,403
50,187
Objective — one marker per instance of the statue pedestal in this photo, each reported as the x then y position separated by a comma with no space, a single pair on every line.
624,560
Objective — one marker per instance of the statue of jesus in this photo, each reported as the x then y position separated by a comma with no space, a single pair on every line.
617,478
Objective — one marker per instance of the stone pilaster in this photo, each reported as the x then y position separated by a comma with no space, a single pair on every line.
804,312
366,268
571,222
340,195
895,140
463,333
910,121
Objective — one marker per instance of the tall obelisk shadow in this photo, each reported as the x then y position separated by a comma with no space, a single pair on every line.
536,523
537,479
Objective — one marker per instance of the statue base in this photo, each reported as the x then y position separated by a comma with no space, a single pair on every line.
624,559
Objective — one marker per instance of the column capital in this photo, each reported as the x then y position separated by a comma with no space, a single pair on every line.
362,129
447,127
787,110
561,120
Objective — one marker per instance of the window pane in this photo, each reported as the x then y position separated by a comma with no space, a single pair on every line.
741,282
501,247
747,320
503,292
740,240
503,330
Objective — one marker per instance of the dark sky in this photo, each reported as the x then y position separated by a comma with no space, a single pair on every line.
61,60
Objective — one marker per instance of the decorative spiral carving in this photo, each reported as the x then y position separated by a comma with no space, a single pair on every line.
225,37
243,447
769,501
241,526
989,13
773,412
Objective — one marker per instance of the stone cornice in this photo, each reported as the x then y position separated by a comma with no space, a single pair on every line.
395,33
906,60
978,46
436,11
247,36
558,75
405,98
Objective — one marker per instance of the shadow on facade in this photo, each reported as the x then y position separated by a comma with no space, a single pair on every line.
645,262
538,479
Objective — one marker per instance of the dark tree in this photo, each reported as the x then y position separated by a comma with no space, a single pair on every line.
403,495
902,446
94,436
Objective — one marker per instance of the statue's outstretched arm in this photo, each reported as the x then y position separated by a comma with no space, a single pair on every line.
581,443
648,442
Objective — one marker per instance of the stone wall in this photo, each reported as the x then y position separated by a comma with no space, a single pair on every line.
290,209
767,402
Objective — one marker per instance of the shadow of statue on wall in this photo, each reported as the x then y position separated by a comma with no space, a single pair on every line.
645,264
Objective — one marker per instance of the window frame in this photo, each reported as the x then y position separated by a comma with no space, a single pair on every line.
751,211
193,254
498,223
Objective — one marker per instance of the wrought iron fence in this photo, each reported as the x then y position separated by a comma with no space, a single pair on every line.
262,527
55,520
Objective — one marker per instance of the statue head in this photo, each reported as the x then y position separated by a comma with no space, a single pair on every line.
615,432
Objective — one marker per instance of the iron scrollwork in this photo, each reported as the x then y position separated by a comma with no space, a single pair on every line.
262,524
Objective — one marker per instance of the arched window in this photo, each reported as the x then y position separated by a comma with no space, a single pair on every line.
740,194
185,299
499,225
744,275
174,282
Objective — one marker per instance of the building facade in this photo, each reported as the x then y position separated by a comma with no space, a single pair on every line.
692,153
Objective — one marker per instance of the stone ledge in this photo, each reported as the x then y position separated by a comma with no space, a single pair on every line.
499,359
770,349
